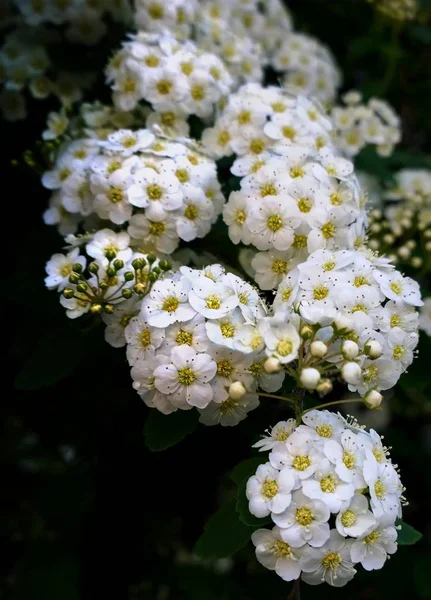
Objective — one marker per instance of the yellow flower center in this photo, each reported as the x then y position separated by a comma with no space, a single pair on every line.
213,302
224,368
286,293
300,463
360,280
398,352
244,117
182,175
268,189
186,376
305,205
296,172
289,132
65,270
281,549
370,374
193,160
328,484
304,516
324,431
274,223
215,72
328,230
335,199
170,304
395,321
145,338
227,330
379,489
154,192
256,369
152,61
371,538
279,267
115,195
156,11
243,298
168,119
329,265
348,518
191,212
187,68
269,489
256,166
255,341
284,348
278,107
257,146
240,217
331,560
223,138
378,455
320,292
198,93
349,460
64,174
129,85
359,308
184,337
164,87
113,166
299,241
397,288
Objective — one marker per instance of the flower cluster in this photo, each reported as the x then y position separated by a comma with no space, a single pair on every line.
176,79
357,125
356,317
110,278
333,495
157,16
163,190
308,67
185,346
402,228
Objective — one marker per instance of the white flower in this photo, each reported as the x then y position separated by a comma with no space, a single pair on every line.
385,488
158,233
281,341
57,125
106,240
126,142
348,457
327,425
400,347
271,268
140,338
328,487
159,191
229,412
59,269
235,213
212,299
269,490
271,225
275,554
278,433
167,303
187,378
225,331
298,453
396,287
355,517
331,563
118,321
305,521
193,334
371,549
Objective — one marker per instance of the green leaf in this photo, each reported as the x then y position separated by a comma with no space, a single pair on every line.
407,536
163,431
247,468
223,535
56,356
244,514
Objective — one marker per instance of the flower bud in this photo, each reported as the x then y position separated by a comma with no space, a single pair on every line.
153,277
77,268
404,253
68,293
237,390
74,278
272,365
96,309
349,349
416,262
373,349
110,254
151,258
108,309
388,238
93,268
165,265
351,372
157,270
139,288
139,263
373,399
307,332
127,293
342,324
318,349
82,287
310,378
129,276
324,387
110,271
118,264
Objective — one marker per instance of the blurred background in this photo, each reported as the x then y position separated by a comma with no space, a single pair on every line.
87,510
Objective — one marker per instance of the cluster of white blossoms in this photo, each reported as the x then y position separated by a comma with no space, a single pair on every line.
402,228
174,77
186,346
157,16
345,314
374,123
334,496
162,190
308,66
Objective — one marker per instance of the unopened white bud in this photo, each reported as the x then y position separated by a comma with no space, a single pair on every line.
272,365
310,378
351,372
397,230
237,390
342,324
376,213
306,332
375,228
416,262
324,387
374,244
404,252
406,223
373,349
318,349
373,399
349,349
411,244
388,238
427,234
428,246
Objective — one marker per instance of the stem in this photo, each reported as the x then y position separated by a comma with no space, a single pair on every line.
299,403
276,397
319,406
295,594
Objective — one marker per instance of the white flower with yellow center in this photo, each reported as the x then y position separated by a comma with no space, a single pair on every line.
168,303
331,562
117,322
281,340
193,334
400,348
160,191
158,234
299,454
77,197
377,374
195,216
278,433
106,240
232,366
275,554
250,303
326,425
226,331
127,88
326,261
114,195
305,521
286,293
212,299
271,268
372,442
330,229
269,490
230,412
141,338
348,456
126,142
327,486
59,269
143,382
371,549
355,517
271,225
187,378
398,314
396,288
165,89
384,487
250,338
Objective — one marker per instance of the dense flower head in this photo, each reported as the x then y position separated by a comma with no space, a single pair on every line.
401,226
158,16
186,346
333,494
172,76
358,124
308,66
162,190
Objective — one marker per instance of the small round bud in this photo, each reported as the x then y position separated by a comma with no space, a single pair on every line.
165,265
349,349
118,264
103,286
375,228
68,293
110,271
153,277
376,213
411,244
351,372
397,230
139,288
307,332
428,246
93,268
374,244
404,253
110,254
151,258
318,349
406,223
324,387
127,293
108,309
237,390
129,276
388,238
77,268
157,270
82,287
139,263
96,309
342,324
373,399
427,234
416,262
310,378
373,349
74,278
272,365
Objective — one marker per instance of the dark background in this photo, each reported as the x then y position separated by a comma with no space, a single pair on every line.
87,510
